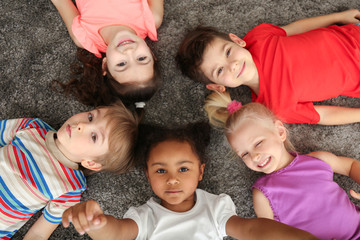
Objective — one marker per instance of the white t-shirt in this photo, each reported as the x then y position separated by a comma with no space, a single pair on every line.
206,220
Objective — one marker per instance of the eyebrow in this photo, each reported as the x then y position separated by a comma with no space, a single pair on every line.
178,163
222,49
127,65
102,134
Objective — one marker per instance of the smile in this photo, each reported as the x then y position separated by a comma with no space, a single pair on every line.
264,163
242,70
125,42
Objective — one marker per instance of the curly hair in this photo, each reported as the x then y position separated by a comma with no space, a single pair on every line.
191,50
89,85
196,134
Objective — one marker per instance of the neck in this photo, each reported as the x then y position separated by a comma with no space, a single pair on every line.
184,206
286,159
253,83
109,32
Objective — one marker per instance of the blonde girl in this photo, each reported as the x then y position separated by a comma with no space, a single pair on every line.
297,190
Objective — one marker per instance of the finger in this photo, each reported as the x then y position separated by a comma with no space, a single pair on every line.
355,194
66,217
99,221
93,209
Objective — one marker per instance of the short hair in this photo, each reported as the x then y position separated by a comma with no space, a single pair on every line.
123,131
190,54
197,135
216,107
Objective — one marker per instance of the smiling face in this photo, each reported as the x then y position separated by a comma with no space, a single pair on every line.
84,136
228,63
261,148
173,171
129,59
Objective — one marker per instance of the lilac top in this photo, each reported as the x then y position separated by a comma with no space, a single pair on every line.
305,196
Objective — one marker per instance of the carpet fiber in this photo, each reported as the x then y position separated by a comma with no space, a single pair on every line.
36,48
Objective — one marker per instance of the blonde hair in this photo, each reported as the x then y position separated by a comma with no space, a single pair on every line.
216,107
123,128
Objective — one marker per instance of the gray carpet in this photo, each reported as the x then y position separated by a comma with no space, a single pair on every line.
35,49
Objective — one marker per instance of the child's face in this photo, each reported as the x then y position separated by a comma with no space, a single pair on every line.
228,63
262,149
84,136
173,171
129,59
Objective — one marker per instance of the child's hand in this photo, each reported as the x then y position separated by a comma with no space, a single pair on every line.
84,216
349,16
355,194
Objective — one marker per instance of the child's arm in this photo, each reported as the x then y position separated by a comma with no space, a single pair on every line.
335,115
262,205
342,165
262,228
157,9
68,12
41,229
88,217
307,24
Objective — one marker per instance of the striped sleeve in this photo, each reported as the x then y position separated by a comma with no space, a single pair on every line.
8,128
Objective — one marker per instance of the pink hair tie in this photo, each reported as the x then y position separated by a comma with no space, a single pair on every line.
233,106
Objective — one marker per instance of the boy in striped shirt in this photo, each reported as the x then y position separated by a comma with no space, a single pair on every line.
39,168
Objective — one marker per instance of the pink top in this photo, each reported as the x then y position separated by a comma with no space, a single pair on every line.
95,14
304,195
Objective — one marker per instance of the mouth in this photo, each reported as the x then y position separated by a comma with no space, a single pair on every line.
125,42
173,191
242,70
264,163
68,130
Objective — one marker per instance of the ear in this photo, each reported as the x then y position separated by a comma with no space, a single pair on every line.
216,87
90,164
103,66
281,130
237,40
202,167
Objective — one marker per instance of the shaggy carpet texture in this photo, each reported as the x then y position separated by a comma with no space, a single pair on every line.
36,49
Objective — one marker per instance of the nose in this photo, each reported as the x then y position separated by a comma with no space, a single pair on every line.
233,66
80,126
255,157
172,180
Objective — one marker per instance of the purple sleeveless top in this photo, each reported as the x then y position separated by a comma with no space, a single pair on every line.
305,196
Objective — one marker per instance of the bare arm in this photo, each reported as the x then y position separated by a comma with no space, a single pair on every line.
262,228
88,217
342,165
41,229
157,9
335,115
68,12
261,205
307,24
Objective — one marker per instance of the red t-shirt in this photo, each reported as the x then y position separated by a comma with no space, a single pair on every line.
294,71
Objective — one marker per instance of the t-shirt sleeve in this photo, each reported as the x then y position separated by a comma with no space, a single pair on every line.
8,128
55,208
224,208
138,214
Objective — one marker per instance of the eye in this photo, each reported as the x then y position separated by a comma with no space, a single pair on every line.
220,71
183,169
90,117
244,155
93,137
121,64
160,171
140,59
228,51
258,144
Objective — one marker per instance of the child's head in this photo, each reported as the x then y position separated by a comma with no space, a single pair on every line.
175,161
253,131
102,139
216,59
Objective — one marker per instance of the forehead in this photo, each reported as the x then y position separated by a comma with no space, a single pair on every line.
172,150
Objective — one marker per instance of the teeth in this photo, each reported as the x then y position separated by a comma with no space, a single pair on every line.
125,42
265,162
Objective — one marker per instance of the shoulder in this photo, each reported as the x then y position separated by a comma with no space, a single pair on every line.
265,29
